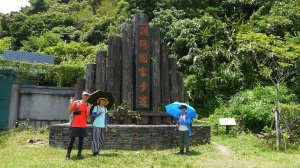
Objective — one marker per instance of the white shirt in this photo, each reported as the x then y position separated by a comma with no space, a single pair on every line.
182,127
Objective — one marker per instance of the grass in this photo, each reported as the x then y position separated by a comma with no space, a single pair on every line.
245,151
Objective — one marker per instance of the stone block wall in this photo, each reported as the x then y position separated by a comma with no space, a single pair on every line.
131,137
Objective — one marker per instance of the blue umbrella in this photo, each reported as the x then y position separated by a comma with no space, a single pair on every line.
173,110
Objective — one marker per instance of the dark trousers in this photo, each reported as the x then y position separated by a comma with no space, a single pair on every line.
80,145
184,140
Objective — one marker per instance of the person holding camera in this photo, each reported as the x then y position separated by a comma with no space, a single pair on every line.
80,110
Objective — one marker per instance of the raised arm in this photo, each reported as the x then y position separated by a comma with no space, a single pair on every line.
71,104
88,110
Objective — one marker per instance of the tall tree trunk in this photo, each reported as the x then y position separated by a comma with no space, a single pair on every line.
276,115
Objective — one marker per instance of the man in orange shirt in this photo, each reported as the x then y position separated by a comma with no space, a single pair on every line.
81,111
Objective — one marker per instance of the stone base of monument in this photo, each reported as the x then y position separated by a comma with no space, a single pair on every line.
131,137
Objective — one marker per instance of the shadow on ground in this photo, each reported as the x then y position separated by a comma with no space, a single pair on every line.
86,156
191,153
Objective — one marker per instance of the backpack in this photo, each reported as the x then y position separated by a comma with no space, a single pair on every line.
92,116
77,108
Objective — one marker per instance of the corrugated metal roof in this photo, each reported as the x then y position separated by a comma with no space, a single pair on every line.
27,56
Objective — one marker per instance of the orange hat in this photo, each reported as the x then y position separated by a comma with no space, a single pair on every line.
102,98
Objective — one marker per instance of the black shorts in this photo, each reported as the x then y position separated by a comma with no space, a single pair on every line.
78,132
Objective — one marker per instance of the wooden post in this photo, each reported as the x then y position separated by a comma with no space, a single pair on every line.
79,87
165,80
90,77
139,19
173,80
156,120
127,64
114,67
186,97
155,69
174,120
227,129
180,87
166,120
217,129
101,70
144,120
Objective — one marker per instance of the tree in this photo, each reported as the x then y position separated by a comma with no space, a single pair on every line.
38,6
277,19
39,44
277,59
94,4
97,33
68,52
5,44
5,20
23,26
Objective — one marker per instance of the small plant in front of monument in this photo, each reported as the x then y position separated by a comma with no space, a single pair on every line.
161,107
122,112
119,113
134,116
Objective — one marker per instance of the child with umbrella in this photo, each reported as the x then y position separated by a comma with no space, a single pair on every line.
102,101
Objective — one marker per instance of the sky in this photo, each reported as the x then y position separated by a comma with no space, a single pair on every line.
7,6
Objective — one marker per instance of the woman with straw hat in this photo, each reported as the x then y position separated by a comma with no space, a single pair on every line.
99,124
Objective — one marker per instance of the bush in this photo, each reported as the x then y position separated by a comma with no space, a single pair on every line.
121,113
253,109
291,112
60,75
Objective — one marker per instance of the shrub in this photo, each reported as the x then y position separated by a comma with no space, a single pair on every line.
60,75
253,109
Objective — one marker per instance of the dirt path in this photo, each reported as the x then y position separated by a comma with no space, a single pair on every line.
222,149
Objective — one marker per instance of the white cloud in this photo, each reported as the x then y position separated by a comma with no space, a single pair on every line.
7,6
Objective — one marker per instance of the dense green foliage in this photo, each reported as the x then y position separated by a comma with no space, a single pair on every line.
57,75
253,109
220,45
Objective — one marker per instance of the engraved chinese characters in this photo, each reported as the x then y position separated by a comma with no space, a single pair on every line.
142,51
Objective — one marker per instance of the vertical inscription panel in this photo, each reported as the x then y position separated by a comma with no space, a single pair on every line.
142,53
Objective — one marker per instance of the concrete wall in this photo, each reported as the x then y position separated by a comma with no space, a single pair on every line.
41,105
131,136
